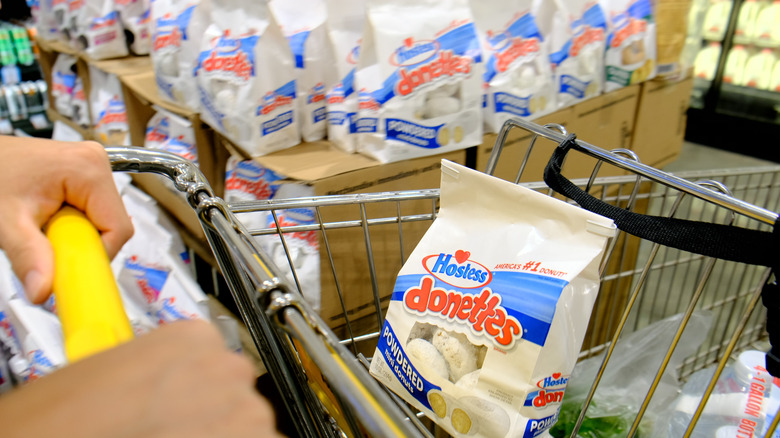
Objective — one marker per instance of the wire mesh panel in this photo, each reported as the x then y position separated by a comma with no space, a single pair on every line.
343,261
377,232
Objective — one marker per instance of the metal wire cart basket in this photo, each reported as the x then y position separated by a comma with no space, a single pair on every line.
318,361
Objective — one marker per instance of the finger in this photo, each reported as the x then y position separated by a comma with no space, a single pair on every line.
32,258
86,189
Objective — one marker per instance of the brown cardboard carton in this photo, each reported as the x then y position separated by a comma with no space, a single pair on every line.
326,170
660,121
606,121
140,93
516,146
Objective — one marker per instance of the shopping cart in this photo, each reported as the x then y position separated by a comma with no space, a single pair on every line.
320,366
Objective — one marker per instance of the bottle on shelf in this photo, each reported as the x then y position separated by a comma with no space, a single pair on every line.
716,19
706,61
746,21
734,71
774,82
758,71
767,28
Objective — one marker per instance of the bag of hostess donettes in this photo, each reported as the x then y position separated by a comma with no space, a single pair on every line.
99,31
246,78
177,27
108,107
488,314
577,31
346,19
518,78
303,23
136,20
631,49
420,79
63,80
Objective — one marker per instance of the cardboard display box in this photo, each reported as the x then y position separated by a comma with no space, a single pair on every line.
325,170
660,121
606,121
140,92
516,146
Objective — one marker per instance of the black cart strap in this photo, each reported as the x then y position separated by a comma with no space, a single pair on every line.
713,240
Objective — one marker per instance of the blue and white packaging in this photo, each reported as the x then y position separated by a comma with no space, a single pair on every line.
245,77
63,81
631,44
488,314
177,27
303,23
346,20
301,249
419,79
171,133
577,31
248,180
99,31
136,20
518,78
108,108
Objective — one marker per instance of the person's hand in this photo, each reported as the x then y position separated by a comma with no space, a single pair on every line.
37,176
176,381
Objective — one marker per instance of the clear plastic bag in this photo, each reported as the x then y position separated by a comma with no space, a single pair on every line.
627,379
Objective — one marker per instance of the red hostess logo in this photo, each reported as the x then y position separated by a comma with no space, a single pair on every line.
458,270
551,390
422,62
414,52
482,311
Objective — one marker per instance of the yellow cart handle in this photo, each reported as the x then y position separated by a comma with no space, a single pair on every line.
87,296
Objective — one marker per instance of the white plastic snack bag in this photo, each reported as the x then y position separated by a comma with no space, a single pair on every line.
80,106
157,130
177,27
420,79
245,78
63,81
346,19
108,106
247,180
488,314
171,133
518,77
630,47
135,16
42,12
577,32
30,334
303,23
99,31
302,247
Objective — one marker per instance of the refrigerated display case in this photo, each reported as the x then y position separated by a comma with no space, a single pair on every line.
735,104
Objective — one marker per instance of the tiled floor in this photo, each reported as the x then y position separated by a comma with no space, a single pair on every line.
698,157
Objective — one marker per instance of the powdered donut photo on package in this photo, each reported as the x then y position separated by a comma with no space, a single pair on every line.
488,314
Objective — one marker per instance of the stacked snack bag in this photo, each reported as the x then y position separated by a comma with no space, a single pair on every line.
177,26
518,77
391,80
303,23
577,30
630,54
243,96
346,19
420,80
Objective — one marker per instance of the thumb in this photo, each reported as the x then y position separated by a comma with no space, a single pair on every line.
32,259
